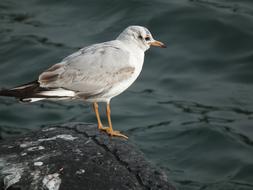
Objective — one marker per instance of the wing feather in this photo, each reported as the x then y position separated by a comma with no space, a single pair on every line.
91,70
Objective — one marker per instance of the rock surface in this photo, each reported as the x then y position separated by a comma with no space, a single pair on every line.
75,156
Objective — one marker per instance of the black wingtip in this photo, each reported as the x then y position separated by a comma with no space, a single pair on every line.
21,91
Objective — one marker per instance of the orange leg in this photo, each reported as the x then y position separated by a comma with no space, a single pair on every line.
109,130
100,126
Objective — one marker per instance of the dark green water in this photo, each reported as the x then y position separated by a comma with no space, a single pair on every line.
191,109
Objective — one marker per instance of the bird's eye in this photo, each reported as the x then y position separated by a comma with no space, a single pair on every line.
147,38
140,37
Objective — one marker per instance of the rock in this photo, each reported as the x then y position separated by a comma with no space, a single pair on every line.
75,156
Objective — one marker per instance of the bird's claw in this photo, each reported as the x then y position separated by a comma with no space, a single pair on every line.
115,133
100,127
111,132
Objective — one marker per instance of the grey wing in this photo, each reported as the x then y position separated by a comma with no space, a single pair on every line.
91,70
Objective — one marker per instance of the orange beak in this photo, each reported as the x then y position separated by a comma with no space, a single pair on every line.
158,44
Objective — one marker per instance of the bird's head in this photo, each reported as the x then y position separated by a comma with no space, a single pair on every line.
140,36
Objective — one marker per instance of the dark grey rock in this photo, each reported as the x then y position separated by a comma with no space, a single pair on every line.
75,156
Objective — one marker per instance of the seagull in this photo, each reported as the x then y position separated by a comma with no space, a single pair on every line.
95,73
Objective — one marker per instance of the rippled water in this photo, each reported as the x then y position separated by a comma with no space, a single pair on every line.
191,109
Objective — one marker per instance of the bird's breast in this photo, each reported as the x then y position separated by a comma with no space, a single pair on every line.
136,62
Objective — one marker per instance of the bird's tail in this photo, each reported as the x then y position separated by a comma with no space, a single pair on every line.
32,92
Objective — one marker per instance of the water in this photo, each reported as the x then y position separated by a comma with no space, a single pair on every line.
191,109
